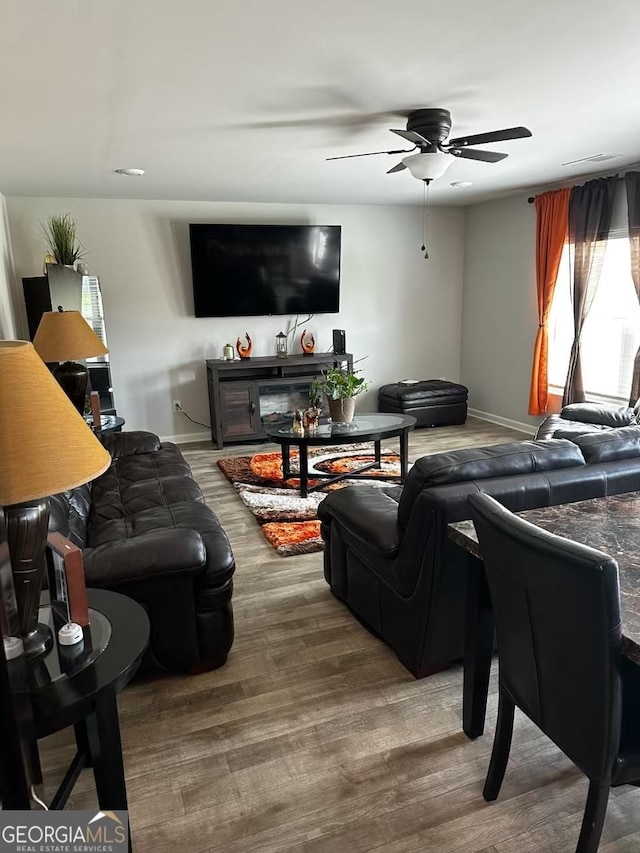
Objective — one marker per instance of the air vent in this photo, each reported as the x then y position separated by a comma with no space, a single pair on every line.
596,158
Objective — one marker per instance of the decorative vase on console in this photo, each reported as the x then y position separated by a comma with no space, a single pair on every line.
308,344
244,350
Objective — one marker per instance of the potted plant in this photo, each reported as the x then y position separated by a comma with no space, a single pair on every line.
341,387
60,232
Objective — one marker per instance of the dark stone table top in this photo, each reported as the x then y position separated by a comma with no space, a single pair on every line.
609,524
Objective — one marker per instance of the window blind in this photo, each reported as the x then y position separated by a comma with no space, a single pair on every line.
92,311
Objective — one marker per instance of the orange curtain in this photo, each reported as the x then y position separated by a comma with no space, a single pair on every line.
552,225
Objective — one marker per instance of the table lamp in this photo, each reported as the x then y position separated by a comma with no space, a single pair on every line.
45,448
64,336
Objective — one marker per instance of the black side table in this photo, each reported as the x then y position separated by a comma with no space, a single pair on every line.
108,423
77,685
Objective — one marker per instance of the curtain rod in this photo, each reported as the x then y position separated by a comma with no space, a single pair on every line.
531,198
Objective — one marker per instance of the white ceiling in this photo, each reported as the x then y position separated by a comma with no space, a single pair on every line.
88,86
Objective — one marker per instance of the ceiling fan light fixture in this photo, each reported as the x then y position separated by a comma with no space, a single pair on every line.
428,166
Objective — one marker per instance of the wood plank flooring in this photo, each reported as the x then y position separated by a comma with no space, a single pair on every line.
314,738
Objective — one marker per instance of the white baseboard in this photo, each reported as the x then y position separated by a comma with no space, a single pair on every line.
529,429
188,437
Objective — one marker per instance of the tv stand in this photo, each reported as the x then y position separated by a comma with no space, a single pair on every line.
246,394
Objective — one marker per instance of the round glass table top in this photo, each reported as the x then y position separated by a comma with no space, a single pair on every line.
361,426
63,661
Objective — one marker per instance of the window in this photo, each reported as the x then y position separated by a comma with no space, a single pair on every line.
611,332
92,311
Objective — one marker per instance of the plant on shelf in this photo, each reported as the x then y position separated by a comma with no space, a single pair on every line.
60,232
341,387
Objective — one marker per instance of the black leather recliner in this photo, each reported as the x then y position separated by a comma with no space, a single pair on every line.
146,532
387,553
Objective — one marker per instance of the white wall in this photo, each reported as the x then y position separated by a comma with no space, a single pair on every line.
500,314
398,309
8,328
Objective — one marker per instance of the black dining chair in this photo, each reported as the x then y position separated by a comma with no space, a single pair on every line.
557,613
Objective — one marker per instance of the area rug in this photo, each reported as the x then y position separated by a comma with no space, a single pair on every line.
289,522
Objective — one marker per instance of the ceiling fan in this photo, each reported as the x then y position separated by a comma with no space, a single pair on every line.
429,130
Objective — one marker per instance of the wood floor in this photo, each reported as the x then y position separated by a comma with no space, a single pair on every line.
314,738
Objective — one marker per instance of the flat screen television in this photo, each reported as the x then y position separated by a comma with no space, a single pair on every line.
250,270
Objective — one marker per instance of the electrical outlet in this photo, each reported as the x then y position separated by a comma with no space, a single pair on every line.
177,406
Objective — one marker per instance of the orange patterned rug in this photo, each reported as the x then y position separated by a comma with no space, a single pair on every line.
289,522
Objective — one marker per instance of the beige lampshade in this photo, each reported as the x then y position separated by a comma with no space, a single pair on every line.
66,336
45,445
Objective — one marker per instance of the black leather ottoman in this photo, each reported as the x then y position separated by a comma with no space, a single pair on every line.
433,402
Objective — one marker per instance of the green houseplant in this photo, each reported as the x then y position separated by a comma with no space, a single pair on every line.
60,232
341,387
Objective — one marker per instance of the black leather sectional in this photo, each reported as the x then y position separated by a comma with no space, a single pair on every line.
579,418
147,532
387,553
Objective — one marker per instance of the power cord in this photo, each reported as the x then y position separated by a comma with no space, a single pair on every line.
292,331
193,420
36,799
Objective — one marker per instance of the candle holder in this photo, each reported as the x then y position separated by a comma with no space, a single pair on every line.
281,345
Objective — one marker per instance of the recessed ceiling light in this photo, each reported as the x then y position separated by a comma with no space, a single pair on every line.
462,184
130,173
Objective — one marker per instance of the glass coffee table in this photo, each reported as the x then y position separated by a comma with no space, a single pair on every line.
365,427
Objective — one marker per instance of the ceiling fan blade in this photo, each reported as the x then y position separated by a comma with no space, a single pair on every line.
373,154
411,135
397,168
475,154
493,136
347,121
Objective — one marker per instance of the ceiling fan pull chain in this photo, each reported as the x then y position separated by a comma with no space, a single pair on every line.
424,209
425,217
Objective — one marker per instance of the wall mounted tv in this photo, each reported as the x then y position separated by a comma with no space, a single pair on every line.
250,270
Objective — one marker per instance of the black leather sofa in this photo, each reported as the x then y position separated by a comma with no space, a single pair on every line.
387,553
580,418
146,532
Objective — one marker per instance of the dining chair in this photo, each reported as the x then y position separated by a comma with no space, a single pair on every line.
557,613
